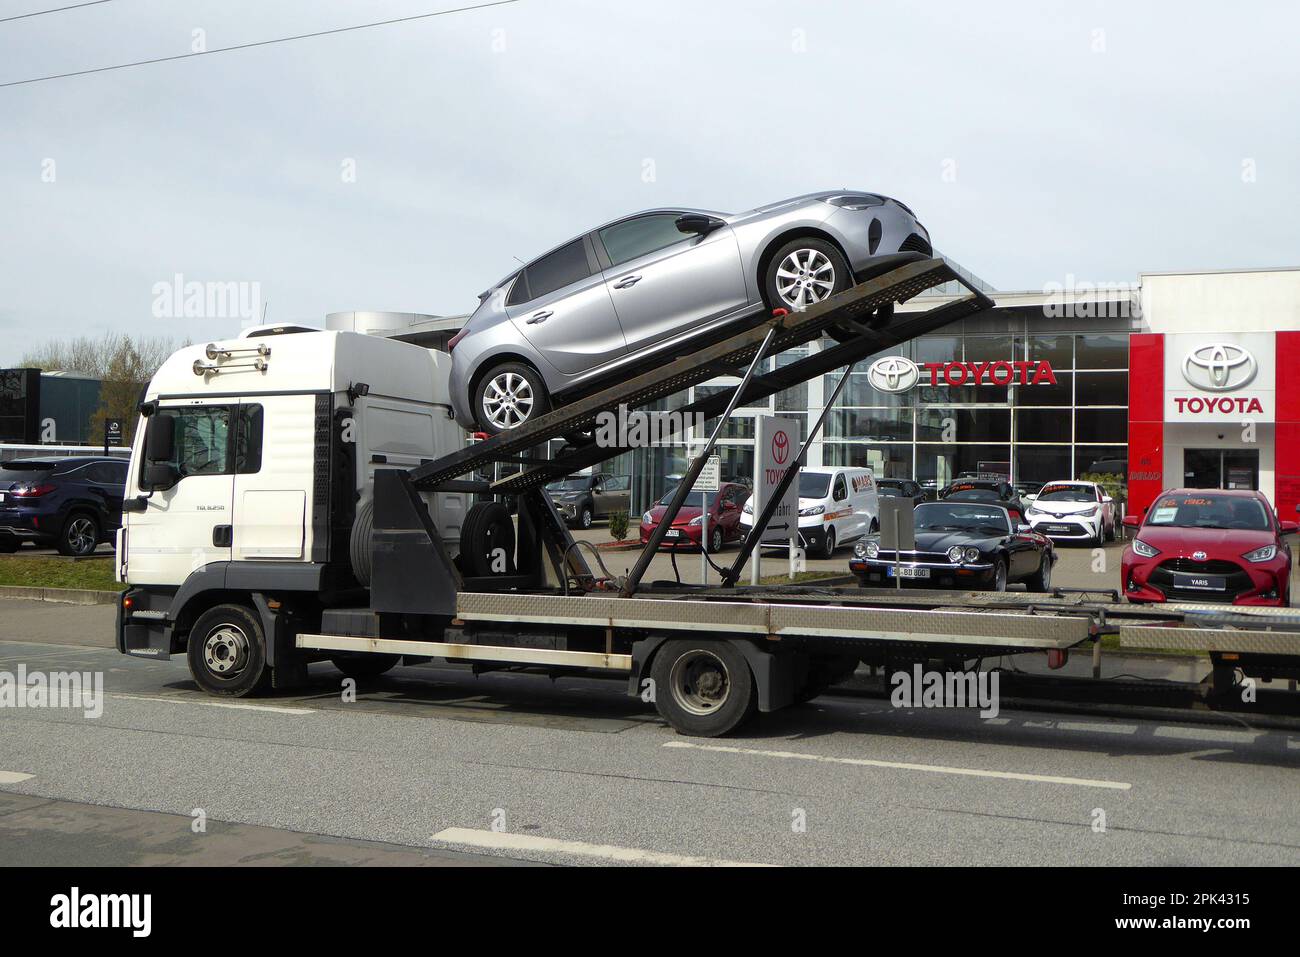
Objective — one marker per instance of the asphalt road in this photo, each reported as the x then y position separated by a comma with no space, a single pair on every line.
434,765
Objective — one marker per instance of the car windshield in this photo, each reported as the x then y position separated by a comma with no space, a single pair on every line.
1201,510
578,484
1067,493
693,499
814,484
973,495
891,491
958,516
12,473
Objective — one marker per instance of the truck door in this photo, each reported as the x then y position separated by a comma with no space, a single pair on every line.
273,446
187,526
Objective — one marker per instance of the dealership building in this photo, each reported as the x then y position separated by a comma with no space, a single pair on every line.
1175,379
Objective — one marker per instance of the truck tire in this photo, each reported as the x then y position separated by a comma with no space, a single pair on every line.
363,530
486,529
362,667
703,688
227,652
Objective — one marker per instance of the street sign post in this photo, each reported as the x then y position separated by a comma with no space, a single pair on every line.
710,480
897,530
112,434
776,446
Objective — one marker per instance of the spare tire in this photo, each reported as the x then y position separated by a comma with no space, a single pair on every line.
363,531
487,528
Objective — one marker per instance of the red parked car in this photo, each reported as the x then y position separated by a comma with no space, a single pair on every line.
1208,545
724,518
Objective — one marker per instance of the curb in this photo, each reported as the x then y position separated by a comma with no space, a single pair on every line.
67,596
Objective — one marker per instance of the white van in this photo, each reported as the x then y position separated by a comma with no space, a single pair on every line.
837,506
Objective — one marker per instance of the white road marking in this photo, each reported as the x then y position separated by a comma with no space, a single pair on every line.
526,843
1098,727
1226,735
238,706
904,766
13,777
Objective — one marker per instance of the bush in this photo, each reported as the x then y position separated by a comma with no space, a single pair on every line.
618,525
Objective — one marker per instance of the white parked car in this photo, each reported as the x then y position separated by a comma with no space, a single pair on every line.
837,506
1073,511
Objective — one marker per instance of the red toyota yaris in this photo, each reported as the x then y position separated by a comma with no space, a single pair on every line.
1208,545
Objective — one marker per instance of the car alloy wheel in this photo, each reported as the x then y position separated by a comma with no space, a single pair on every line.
804,277
585,518
508,400
80,535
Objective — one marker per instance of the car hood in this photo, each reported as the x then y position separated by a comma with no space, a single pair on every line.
1062,508
940,541
1215,542
684,515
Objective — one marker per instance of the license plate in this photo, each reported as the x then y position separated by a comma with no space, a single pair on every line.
1202,582
1058,529
672,533
905,572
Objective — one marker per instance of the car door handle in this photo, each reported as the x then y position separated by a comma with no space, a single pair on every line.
627,281
540,316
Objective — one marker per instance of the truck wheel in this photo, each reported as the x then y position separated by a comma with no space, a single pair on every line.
487,540
361,667
703,689
80,535
363,529
227,652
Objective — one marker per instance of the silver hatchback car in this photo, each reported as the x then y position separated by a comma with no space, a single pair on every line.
643,285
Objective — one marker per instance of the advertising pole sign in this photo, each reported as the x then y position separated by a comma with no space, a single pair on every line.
112,434
776,446
710,480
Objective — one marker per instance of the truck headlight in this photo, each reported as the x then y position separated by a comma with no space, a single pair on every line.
1142,548
812,510
1264,554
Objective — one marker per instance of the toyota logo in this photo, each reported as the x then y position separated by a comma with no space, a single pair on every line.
893,374
1219,367
1199,556
780,447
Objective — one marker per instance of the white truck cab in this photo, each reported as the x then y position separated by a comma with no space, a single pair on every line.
256,455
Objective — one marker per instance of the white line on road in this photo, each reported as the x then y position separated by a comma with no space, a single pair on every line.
239,706
904,766
13,777
1223,735
524,843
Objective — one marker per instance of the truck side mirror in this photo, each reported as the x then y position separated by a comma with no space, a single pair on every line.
160,476
160,438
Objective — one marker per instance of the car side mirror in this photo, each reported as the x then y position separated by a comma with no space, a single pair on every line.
1290,528
159,476
160,438
698,223
1131,521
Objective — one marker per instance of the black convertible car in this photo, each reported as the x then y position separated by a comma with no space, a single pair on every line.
961,545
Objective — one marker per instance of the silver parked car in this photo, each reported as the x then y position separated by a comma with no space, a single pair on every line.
645,284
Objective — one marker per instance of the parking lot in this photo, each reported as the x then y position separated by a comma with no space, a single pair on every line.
435,765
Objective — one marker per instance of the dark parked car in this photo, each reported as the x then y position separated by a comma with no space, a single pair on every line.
961,545
901,488
995,491
581,499
71,503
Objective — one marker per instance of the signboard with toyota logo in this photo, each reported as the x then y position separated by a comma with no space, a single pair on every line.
897,374
1226,378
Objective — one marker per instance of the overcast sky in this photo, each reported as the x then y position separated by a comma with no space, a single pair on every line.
1035,140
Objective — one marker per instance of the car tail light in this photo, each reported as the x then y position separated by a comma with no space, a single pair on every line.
451,343
32,491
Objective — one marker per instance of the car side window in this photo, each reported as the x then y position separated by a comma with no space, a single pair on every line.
841,491
631,238
566,265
